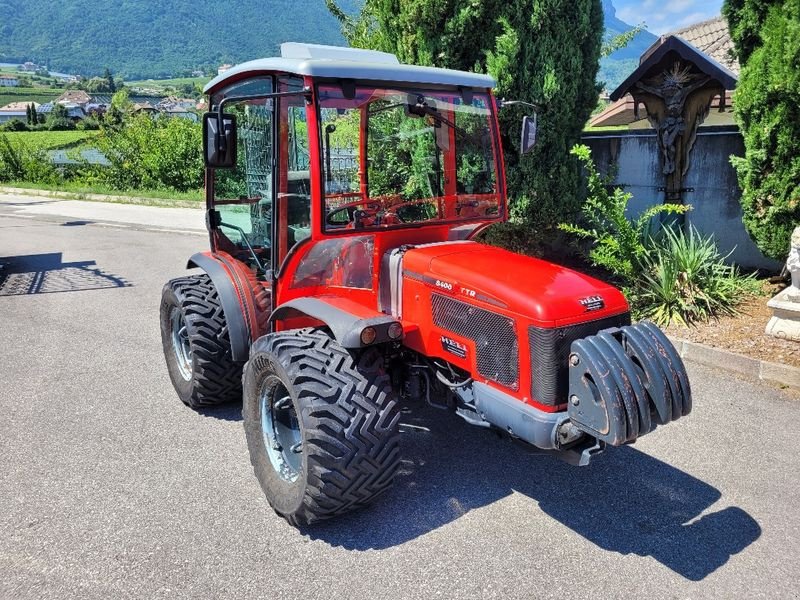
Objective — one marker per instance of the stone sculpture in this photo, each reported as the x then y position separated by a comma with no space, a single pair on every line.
785,321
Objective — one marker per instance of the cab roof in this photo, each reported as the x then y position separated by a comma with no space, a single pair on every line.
334,62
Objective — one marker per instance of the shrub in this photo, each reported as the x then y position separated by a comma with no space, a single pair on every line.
766,37
19,162
148,153
684,279
618,244
14,125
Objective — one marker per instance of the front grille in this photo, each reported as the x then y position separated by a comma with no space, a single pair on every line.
495,337
549,350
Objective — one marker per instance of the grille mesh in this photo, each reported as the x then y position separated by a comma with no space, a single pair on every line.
549,350
495,337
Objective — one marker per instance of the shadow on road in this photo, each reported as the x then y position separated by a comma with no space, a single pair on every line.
47,273
625,501
231,411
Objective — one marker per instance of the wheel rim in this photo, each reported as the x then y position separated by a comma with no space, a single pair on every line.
180,343
281,430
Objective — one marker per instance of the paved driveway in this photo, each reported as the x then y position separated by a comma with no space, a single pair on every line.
110,488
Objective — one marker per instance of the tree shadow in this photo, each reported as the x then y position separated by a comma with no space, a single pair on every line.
625,501
47,274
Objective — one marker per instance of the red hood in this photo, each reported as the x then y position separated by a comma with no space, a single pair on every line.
527,286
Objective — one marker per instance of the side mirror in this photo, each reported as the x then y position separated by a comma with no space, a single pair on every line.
219,147
529,128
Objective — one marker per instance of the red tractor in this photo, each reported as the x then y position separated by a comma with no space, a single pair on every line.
344,191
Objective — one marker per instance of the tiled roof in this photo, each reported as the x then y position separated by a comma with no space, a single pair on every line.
74,96
18,106
712,38
5,76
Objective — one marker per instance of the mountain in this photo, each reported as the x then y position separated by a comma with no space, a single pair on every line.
146,39
615,26
143,38
615,68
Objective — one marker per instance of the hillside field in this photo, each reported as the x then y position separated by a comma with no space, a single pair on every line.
23,94
51,140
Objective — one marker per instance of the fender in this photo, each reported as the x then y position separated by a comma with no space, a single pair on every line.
344,318
231,304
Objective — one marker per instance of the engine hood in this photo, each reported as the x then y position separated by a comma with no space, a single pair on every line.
542,291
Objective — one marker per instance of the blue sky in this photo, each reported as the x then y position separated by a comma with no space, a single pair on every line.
666,15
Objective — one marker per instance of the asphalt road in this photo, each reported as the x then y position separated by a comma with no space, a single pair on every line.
111,488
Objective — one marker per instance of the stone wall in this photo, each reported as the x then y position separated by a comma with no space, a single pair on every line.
715,195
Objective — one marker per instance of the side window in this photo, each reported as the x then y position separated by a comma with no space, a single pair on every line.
294,191
243,196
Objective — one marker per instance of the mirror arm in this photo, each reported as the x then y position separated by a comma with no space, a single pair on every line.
247,242
504,103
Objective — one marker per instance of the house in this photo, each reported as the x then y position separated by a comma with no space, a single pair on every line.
144,107
16,110
74,97
223,68
29,67
712,39
9,80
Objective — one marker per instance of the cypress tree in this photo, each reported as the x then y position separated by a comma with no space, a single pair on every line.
766,35
540,51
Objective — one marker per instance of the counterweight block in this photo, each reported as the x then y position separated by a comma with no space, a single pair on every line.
623,382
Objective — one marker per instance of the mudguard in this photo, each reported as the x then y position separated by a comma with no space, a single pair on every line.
238,330
623,382
345,319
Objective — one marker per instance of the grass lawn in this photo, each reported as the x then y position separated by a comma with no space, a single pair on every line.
82,191
52,140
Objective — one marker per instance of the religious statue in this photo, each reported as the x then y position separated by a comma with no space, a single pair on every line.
674,87
785,321
793,261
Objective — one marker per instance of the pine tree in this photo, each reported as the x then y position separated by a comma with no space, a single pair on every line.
540,51
110,85
766,35
28,114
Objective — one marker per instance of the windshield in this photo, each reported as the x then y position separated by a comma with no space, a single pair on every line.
393,157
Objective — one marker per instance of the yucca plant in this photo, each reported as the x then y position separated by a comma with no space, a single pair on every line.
619,243
684,279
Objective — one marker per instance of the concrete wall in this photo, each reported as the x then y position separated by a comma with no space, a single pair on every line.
715,199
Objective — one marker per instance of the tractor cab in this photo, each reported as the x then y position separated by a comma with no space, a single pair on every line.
311,154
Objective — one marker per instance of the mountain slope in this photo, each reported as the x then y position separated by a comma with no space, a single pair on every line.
615,68
142,38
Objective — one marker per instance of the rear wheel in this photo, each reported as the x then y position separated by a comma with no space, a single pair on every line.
196,343
321,425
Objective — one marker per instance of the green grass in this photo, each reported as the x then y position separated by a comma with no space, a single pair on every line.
81,191
52,140
39,95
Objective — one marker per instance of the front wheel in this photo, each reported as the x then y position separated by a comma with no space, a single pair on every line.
321,425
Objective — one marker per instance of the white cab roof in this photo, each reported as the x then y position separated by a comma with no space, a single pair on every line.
335,62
